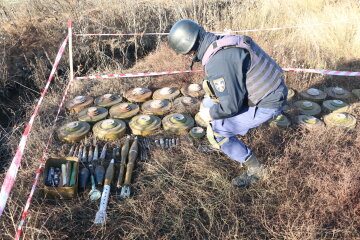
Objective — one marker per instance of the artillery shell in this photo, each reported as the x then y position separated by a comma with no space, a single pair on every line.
99,174
84,153
96,153
103,153
91,154
83,178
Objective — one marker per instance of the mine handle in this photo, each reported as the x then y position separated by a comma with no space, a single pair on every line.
130,166
109,173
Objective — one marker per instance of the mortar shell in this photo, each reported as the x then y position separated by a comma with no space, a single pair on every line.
186,105
193,90
340,120
338,93
280,121
197,132
138,94
79,103
109,129
335,106
309,121
166,93
92,114
199,121
108,100
157,107
145,124
356,92
178,123
313,94
73,131
306,107
124,110
291,94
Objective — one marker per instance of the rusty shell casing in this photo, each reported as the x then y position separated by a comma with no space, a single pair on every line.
124,110
197,132
313,94
92,114
199,121
145,124
133,152
107,100
186,105
124,155
138,94
340,120
291,94
306,107
79,103
308,121
109,129
178,123
166,93
356,92
335,106
156,107
338,93
280,121
193,90
73,131
109,175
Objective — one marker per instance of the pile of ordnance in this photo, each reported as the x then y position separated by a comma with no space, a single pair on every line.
142,120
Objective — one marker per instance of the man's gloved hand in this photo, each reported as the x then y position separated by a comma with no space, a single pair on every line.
204,114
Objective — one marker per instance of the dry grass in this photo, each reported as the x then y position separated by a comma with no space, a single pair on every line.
312,191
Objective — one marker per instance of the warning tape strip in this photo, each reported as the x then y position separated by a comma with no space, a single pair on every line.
15,164
147,74
225,32
43,158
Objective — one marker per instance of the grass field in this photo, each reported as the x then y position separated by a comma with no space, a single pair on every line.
313,189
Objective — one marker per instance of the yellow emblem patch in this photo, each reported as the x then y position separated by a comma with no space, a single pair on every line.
219,84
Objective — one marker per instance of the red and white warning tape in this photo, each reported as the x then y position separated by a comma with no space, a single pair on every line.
226,31
43,158
147,74
15,164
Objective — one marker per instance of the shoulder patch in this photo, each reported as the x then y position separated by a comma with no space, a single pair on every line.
219,84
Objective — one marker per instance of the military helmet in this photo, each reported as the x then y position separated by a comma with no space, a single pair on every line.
184,35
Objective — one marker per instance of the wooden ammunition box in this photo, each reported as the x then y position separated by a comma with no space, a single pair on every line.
64,192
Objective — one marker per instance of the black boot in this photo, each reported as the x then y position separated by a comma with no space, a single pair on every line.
255,171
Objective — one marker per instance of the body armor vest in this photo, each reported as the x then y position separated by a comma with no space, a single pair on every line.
264,74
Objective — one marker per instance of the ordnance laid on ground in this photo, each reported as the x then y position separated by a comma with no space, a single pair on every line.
340,120
94,194
91,154
356,92
309,121
164,143
157,143
76,151
92,114
68,173
83,177
144,149
178,123
145,124
280,121
186,105
156,107
306,107
199,121
108,100
313,94
79,103
72,149
73,131
133,152
338,93
138,94
73,174
193,90
124,155
100,217
166,93
84,155
335,106
79,155
109,129
64,175
50,177
99,169
291,94
95,154
197,132
124,110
